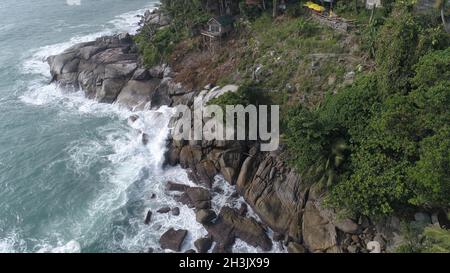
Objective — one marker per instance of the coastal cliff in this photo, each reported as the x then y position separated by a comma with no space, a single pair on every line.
290,209
109,70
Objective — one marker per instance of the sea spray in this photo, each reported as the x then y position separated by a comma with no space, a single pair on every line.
92,192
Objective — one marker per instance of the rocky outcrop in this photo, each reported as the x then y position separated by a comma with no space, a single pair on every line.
109,70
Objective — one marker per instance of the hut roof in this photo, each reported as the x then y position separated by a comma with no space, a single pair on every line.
225,20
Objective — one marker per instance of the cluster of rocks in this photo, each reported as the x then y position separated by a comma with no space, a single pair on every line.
223,228
110,70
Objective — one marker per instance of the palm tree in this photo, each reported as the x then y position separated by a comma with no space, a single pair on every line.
441,5
325,169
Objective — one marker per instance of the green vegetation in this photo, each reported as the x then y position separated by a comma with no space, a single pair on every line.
157,44
395,120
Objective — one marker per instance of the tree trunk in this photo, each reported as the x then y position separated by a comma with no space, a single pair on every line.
446,27
275,8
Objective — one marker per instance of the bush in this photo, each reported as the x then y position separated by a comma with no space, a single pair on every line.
247,94
318,148
403,39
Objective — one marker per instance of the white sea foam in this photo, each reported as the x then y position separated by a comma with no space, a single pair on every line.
12,243
70,247
131,164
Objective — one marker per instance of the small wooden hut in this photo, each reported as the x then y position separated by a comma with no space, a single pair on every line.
217,28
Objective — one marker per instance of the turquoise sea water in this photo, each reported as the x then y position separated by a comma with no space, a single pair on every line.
73,174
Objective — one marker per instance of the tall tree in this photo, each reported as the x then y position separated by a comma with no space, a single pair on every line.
275,8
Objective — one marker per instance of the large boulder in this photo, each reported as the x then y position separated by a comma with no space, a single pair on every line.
194,197
173,239
161,96
203,245
172,186
136,94
230,225
274,192
190,156
230,163
318,233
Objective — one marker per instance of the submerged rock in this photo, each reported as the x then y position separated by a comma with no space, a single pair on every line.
176,211
164,210
148,218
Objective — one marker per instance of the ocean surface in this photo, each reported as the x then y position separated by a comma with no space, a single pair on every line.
74,175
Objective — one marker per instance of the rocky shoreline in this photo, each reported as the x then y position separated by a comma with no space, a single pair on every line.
109,70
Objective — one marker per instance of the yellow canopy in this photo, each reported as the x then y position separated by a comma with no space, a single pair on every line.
314,6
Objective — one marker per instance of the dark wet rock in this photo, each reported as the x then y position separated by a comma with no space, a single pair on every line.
205,172
153,196
148,217
160,96
199,198
234,195
203,245
173,239
204,216
145,139
184,199
164,210
229,225
278,237
243,209
294,247
172,156
133,118
218,190
190,156
157,71
141,74
150,250
230,163
172,186
176,211
222,248
190,251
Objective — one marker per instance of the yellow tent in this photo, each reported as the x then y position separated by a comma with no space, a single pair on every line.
314,6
